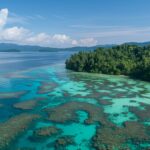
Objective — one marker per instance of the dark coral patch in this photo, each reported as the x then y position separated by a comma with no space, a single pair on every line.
9,95
142,114
67,112
47,87
12,128
62,142
108,138
44,133
28,104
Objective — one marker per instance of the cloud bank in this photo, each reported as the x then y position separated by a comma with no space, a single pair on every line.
21,35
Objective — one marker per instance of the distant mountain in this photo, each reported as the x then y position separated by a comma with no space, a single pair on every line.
14,47
139,43
8,47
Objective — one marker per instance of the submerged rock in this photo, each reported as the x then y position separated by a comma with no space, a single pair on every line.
12,128
47,87
64,141
26,105
44,133
8,95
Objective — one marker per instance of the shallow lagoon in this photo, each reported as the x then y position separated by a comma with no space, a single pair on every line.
108,112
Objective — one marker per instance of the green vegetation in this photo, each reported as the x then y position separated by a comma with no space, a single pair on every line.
130,60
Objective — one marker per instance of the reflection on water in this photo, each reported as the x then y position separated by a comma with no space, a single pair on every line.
43,106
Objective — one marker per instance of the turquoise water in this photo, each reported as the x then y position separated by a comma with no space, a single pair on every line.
80,105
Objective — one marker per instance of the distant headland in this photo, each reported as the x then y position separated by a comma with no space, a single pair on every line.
127,59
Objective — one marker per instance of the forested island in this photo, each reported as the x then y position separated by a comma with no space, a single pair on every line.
129,60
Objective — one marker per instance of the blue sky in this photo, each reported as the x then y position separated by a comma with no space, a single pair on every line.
67,23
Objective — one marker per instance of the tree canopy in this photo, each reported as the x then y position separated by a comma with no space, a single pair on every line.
124,59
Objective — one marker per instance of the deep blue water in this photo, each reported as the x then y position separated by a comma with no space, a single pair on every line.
11,62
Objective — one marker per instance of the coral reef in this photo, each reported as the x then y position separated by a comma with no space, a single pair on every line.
113,138
63,141
8,95
105,102
46,87
26,105
12,128
142,114
67,112
44,133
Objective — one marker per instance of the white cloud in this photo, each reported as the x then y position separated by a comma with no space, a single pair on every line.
21,35
49,40
41,38
88,42
3,17
14,34
74,42
84,42
62,38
